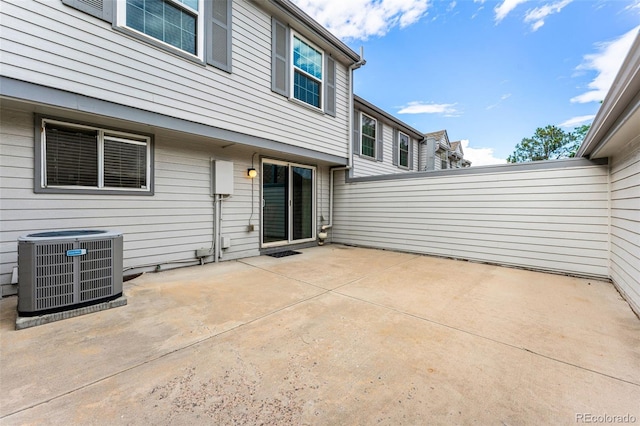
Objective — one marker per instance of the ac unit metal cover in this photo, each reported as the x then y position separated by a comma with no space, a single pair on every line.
60,270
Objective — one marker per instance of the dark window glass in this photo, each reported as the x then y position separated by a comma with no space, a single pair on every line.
368,136
164,21
125,164
72,156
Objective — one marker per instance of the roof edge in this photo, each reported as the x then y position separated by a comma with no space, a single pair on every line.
416,133
293,10
618,100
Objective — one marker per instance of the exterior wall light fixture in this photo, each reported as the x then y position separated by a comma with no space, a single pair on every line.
252,173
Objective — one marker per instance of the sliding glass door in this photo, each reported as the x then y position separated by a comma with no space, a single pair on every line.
288,203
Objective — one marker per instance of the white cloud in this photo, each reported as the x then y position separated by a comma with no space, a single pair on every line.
448,110
502,99
504,8
634,6
361,19
480,156
452,6
606,62
577,121
539,14
477,12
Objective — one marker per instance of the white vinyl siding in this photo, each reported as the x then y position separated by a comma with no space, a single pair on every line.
625,224
166,227
48,43
551,219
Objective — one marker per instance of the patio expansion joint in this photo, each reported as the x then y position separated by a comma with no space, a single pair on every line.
161,356
471,333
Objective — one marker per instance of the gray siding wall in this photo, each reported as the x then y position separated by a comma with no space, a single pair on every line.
48,43
164,228
549,219
363,166
625,224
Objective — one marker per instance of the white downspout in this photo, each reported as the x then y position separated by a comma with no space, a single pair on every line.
349,165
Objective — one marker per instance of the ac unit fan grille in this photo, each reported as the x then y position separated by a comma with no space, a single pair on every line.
56,273
54,283
96,278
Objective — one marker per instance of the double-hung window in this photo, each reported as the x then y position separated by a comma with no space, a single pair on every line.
403,150
301,71
199,30
79,157
177,23
368,132
307,72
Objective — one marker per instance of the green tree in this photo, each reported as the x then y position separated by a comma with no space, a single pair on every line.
549,143
579,134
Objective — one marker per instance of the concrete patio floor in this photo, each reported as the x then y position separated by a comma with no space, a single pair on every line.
335,335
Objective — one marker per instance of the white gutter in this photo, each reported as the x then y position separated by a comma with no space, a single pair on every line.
349,165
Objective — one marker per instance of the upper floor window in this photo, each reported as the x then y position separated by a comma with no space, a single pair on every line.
83,157
175,22
403,150
443,159
199,30
307,72
368,144
302,71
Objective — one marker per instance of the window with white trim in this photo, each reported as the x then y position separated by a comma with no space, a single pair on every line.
403,150
198,30
75,156
307,73
176,23
368,136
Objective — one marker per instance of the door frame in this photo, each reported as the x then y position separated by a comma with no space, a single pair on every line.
314,202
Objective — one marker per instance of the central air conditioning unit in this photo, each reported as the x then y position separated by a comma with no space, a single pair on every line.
60,270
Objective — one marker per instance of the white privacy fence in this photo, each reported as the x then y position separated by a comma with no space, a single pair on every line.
550,216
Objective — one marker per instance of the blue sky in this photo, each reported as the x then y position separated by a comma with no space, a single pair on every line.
489,72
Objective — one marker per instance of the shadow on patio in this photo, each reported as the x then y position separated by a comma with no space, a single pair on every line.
337,335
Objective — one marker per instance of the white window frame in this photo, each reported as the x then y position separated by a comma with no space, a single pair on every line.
293,69
113,135
375,139
121,22
400,135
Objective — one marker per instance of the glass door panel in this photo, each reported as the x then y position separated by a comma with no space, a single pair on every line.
288,203
302,203
275,196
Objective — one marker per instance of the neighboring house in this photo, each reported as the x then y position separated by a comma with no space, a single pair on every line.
440,154
435,155
382,144
456,156
578,216
109,122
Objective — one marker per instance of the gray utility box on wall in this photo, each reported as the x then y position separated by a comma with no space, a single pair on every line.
221,177
60,270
